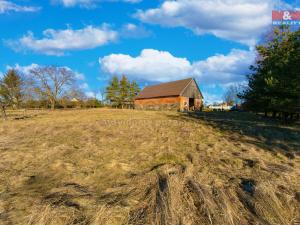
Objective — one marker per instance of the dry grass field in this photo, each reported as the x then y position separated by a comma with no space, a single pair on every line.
104,167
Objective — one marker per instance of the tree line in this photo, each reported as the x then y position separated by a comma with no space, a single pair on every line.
274,84
56,87
43,87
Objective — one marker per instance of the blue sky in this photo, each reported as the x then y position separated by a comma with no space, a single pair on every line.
149,41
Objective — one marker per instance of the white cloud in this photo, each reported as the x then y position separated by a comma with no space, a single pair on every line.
243,21
57,42
8,6
23,69
84,86
79,76
212,98
90,94
72,3
131,30
94,94
224,69
150,65
159,66
88,3
26,70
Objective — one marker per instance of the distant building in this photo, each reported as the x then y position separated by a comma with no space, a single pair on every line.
220,107
74,100
183,95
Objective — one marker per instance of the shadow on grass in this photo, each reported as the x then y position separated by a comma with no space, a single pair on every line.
263,132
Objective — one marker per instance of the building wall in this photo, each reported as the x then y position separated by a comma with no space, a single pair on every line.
184,103
174,103
192,91
168,103
198,104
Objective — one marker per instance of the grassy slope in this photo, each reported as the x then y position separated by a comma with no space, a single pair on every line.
134,167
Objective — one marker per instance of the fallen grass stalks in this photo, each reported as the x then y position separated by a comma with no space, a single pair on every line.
118,167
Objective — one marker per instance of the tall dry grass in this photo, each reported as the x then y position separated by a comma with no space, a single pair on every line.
136,167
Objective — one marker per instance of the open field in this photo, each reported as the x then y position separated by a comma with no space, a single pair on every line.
107,166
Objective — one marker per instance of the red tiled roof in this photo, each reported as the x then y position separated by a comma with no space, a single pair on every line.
174,88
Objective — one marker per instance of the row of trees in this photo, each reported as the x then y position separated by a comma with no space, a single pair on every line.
274,85
121,93
56,87
46,87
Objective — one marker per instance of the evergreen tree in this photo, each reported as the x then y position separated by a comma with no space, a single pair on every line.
124,91
134,89
11,87
121,93
113,92
274,85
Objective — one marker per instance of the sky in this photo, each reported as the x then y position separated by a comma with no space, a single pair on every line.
150,41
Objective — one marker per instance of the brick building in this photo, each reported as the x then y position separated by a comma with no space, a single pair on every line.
183,95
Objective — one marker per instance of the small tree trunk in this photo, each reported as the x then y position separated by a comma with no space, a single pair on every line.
285,117
3,112
52,102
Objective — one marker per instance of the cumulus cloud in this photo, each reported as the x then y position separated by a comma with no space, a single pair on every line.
8,6
212,98
57,42
242,20
23,69
224,69
159,66
79,76
87,3
149,65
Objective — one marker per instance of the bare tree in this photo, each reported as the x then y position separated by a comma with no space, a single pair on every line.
231,95
53,82
102,93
